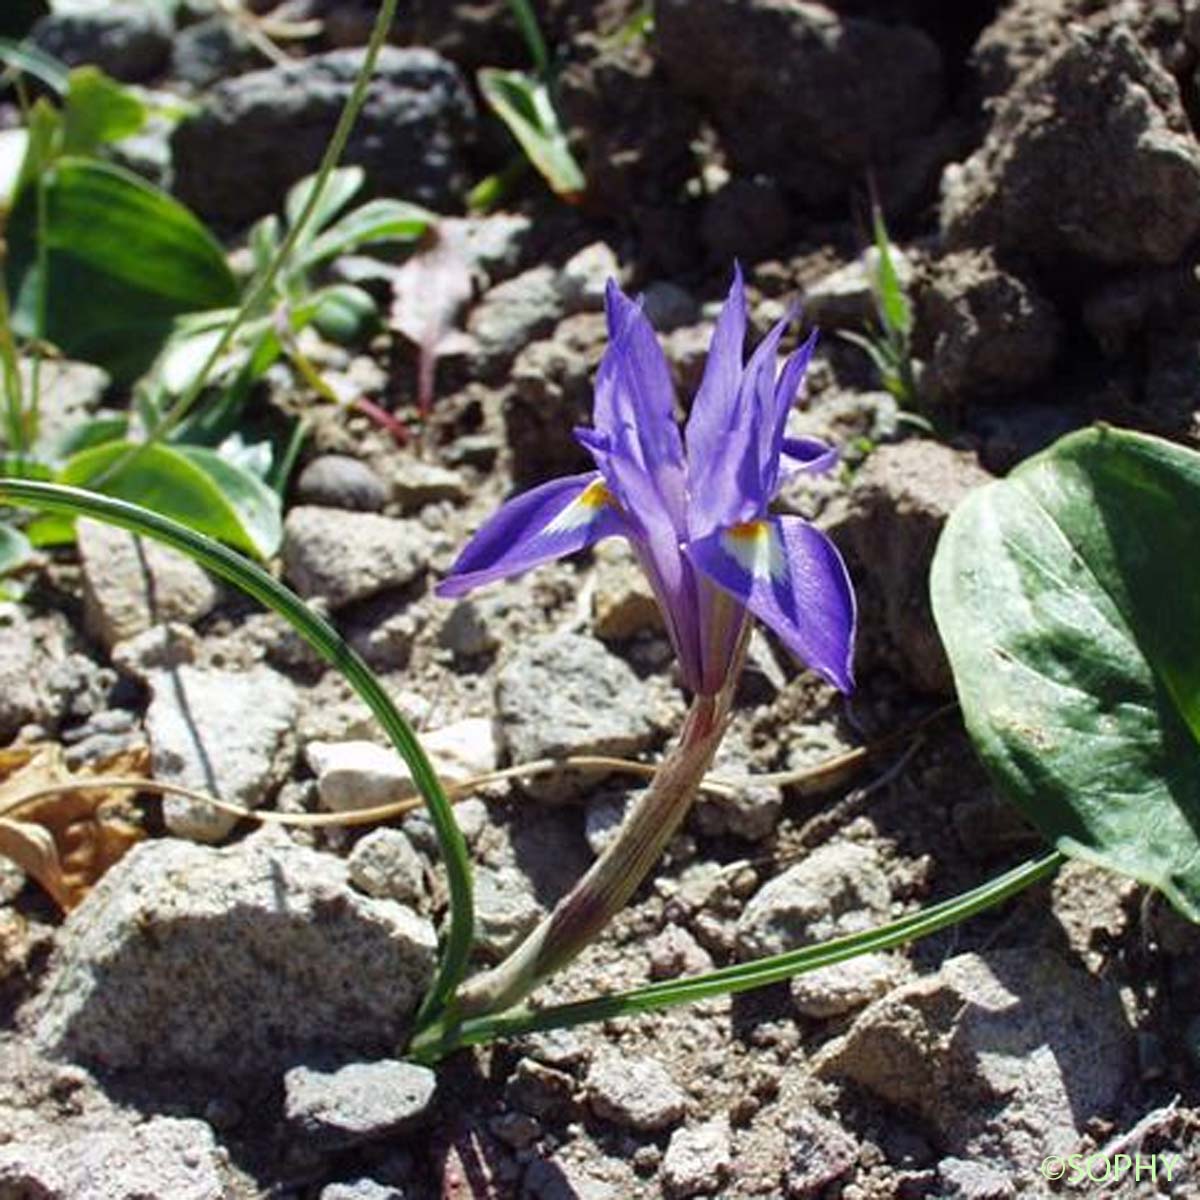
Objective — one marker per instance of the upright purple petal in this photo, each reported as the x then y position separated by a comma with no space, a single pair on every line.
793,579
547,522
786,389
713,409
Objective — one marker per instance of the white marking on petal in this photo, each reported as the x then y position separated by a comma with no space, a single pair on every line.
583,510
755,548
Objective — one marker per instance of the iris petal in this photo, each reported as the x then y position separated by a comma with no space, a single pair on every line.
548,522
793,579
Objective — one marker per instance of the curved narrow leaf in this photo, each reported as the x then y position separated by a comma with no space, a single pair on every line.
182,483
340,188
98,110
1068,597
124,261
15,549
523,104
375,221
28,59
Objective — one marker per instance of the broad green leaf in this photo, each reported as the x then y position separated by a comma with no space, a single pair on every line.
345,314
98,110
1068,597
29,60
375,221
341,187
22,466
181,482
523,104
93,432
50,529
15,549
124,261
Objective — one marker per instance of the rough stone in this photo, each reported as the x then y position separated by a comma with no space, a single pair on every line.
668,306
505,909
127,40
901,499
585,276
819,1152
362,774
344,557
845,298
966,1180
844,92
636,1093
466,631
988,332
228,962
563,694
416,484
358,1103
165,1156
752,812
551,395
385,864
843,987
541,1090
513,314
211,50
226,733
674,952
130,583
1006,1054
839,889
623,604
339,481
70,393
746,219
1021,192
698,1159
362,1189
23,694
259,133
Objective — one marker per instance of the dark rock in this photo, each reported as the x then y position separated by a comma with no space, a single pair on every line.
339,481
800,92
901,499
262,132
634,131
747,219
129,41
211,50
550,396
988,332
1032,188
668,306
1161,297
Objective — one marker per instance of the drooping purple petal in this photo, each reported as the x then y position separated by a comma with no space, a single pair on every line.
793,579
547,522
806,455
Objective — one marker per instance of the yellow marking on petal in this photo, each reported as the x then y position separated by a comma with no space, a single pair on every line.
584,509
755,550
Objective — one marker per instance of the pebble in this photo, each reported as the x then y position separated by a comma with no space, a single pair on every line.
226,733
385,864
841,988
416,484
636,1093
698,1159
513,314
467,632
362,1189
819,1152
339,481
345,557
361,1102
131,584
505,909
585,277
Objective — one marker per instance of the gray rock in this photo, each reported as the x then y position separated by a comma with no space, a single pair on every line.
623,604
845,298
752,812
362,1102
128,40
1023,190
674,952
226,733
636,1093
496,243
540,1090
70,393
505,909
230,962
901,499
130,583
1007,1055
515,313
563,694
551,394
165,1156
211,50
819,1151
416,484
339,481
843,92
840,888
260,133
585,277
385,864
841,988
344,557
362,1189
466,632
159,648
603,817
698,1159
23,694
988,332
385,630
963,1179
668,306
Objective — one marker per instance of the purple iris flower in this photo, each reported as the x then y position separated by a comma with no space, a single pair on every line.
698,519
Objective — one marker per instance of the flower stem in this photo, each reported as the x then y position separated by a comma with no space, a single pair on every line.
615,875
